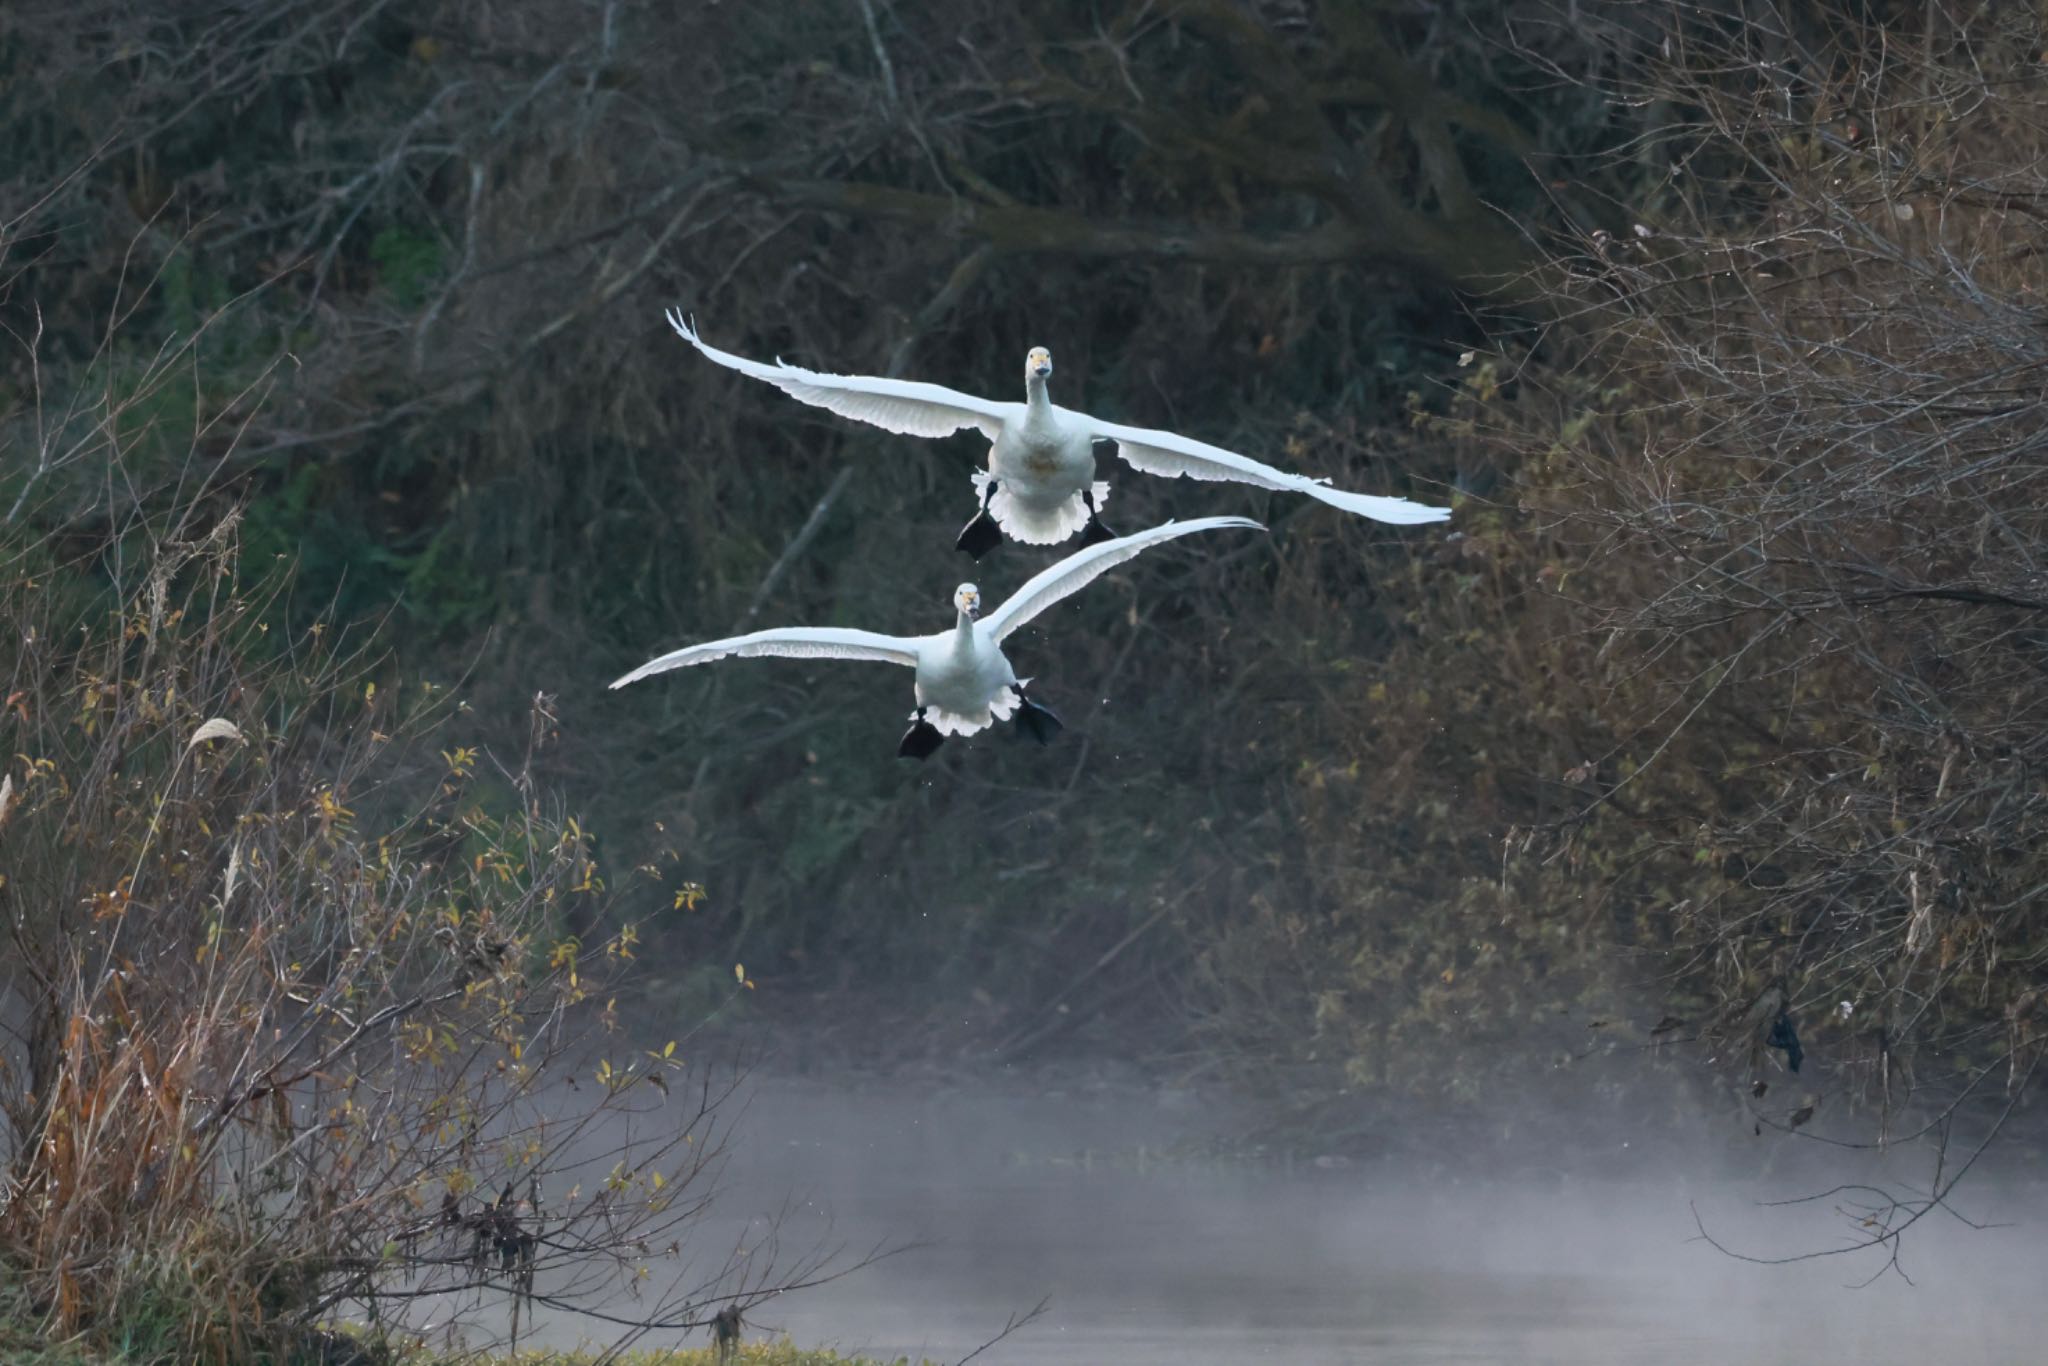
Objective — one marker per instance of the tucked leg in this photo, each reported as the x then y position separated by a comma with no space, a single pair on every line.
982,534
1035,721
921,739
1095,532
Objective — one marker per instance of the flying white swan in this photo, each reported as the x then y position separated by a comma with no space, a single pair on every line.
1040,484
964,681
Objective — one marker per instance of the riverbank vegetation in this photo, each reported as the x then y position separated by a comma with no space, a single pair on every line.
311,1006
309,994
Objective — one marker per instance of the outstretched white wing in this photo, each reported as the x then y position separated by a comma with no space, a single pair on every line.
790,642
1172,455
896,405
1076,571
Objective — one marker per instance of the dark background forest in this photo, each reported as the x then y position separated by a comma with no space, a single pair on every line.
1724,694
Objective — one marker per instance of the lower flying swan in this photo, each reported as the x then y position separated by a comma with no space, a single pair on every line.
964,681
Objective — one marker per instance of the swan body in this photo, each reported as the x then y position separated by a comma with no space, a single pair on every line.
964,682
1040,486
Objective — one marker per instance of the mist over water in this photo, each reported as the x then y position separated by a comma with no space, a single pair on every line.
1016,1193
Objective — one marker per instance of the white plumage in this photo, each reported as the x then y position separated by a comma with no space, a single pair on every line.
1040,486
964,680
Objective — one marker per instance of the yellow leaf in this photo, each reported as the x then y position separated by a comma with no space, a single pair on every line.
739,972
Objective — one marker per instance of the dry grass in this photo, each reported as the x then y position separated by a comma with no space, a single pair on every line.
299,978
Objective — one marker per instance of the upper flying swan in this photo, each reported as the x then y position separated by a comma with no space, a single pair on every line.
964,681
1040,484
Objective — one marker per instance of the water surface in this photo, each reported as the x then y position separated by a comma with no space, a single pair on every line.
1012,1197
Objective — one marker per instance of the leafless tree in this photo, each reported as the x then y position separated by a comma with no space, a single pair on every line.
1806,498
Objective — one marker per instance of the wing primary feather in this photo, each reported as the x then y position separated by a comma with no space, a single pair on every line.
1394,511
908,407
1078,570
1171,455
788,642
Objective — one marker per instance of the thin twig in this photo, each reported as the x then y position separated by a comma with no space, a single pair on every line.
1011,1325
867,13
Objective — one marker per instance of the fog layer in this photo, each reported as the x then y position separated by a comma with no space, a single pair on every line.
1011,1195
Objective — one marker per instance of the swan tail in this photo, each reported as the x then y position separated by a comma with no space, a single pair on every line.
1035,523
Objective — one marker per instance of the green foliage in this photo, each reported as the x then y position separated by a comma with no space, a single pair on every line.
781,1352
351,568
408,263
34,1350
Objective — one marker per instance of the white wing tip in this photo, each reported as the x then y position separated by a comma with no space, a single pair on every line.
1425,513
1211,524
683,327
647,670
1393,511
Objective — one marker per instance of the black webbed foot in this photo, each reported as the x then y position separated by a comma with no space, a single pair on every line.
1035,721
921,740
1095,533
980,536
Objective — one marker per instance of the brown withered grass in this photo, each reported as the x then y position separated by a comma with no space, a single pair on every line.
295,981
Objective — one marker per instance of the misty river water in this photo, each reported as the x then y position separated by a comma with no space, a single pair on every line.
1014,1196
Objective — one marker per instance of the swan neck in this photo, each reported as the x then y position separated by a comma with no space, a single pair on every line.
1038,395
963,651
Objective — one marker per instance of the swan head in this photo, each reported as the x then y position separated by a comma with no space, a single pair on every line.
1038,364
967,600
